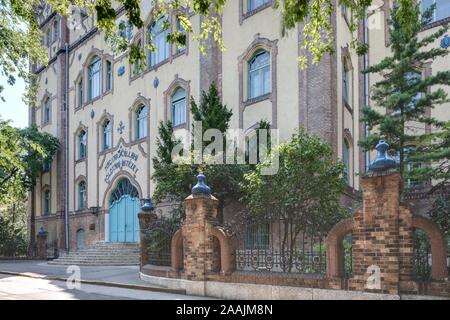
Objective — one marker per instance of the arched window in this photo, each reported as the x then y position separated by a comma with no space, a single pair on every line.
80,93
81,195
46,206
107,134
346,160
82,145
259,81
158,32
47,110
141,122
94,73
179,107
108,75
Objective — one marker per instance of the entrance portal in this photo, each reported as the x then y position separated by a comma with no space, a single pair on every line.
123,213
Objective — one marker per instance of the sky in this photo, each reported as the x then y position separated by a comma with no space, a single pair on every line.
13,108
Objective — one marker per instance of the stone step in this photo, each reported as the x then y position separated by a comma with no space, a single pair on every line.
102,253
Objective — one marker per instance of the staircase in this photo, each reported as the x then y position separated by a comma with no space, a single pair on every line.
102,254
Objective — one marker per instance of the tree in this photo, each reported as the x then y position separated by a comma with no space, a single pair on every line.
403,96
23,153
20,36
174,180
295,195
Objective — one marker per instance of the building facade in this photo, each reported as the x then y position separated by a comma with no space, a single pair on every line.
112,113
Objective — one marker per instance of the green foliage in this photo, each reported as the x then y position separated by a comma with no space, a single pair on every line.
174,181
402,98
440,213
20,36
13,227
23,153
295,194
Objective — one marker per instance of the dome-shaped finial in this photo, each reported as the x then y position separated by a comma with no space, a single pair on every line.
201,186
147,205
383,161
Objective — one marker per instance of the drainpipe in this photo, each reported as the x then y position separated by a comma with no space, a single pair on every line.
66,167
366,85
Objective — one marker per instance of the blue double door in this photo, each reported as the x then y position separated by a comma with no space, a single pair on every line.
123,220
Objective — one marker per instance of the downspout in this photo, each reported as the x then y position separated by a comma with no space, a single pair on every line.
366,85
66,154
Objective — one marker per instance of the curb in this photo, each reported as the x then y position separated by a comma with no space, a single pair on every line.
97,282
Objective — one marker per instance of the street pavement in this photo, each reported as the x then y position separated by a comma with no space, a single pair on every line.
26,288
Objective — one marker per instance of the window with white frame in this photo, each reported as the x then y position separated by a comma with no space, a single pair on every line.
141,122
259,82
94,74
46,202
55,30
81,195
158,32
179,107
254,4
47,111
82,138
441,11
107,134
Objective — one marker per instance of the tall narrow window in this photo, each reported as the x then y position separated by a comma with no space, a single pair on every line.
47,111
345,82
47,165
82,195
254,4
49,37
107,135
136,65
141,122
108,75
181,29
346,160
94,78
158,33
55,30
82,145
259,81
46,202
80,93
179,107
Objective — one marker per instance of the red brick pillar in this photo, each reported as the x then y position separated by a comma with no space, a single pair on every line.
41,245
145,219
382,236
200,248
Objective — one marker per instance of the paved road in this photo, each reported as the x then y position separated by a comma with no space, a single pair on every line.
25,288
118,274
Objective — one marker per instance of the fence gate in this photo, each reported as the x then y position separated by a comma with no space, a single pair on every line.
159,237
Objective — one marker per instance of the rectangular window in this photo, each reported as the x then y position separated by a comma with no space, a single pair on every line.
179,112
180,29
94,79
80,93
257,237
47,202
441,11
345,83
49,37
108,75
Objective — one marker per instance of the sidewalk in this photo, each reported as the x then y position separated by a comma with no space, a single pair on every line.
113,276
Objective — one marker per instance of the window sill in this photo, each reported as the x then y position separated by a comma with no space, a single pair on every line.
104,151
80,160
140,140
251,101
179,126
436,24
44,124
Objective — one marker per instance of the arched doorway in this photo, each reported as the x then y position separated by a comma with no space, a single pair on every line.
123,213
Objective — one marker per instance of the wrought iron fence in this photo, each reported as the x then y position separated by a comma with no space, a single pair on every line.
275,247
159,237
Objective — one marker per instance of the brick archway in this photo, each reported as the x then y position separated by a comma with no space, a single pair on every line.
335,248
438,246
227,251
